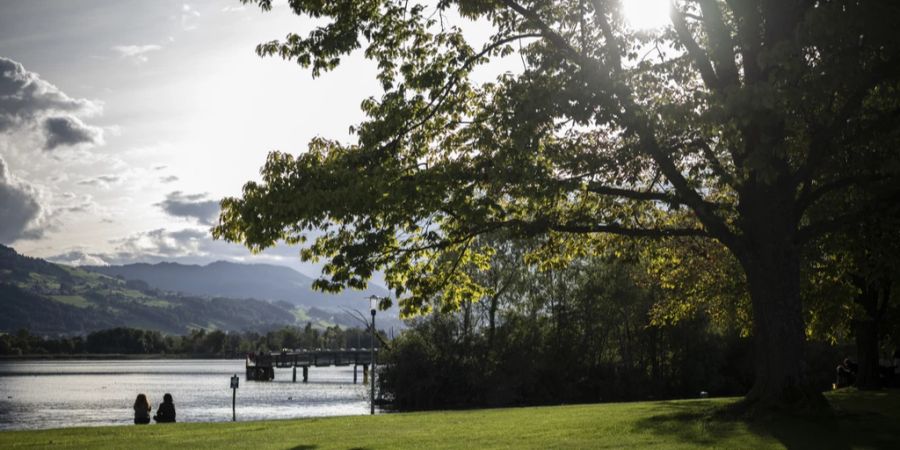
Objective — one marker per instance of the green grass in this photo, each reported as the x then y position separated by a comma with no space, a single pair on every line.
74,300
862,420
46,282
156,303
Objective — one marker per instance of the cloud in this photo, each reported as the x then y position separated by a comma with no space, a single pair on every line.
73,204
101,181
193,206
28,103
234,8
168,179
161,243
189,14
69,131
188,246
136,53
78,258
22,209
185,246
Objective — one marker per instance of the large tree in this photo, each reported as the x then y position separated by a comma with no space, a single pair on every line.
729,124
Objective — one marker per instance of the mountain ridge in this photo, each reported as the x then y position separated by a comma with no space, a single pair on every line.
46,298
239,280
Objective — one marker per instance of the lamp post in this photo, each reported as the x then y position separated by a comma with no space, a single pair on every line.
373,306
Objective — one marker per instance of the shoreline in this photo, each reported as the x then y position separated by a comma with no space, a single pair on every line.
113,356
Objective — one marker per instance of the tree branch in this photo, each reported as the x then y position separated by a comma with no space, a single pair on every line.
432,106
701,60
823,135
811,196
814,230
748,20
636,122
720,42
542,225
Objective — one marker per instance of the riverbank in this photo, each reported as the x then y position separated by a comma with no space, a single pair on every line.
861,420
116,356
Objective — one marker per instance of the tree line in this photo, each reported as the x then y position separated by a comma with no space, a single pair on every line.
214,343
628,321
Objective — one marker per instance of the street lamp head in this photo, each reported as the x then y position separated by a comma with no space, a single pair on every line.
373,304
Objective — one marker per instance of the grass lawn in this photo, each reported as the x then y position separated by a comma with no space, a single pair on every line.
862,420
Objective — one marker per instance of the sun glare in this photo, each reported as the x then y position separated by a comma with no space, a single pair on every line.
646,14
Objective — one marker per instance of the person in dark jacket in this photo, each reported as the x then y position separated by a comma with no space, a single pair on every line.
141,410
165,412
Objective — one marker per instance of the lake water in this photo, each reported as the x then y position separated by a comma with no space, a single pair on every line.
53,394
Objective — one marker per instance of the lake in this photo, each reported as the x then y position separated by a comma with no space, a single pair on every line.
54,394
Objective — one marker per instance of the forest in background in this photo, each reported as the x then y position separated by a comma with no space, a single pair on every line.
631,321
197,343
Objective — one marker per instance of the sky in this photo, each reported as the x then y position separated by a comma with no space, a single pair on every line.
123,123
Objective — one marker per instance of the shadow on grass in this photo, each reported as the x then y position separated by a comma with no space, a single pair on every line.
313,447
694,423
860,422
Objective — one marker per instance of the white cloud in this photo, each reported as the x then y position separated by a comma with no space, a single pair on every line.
187,246
136,53
103,181
78,257
189,16
22,207
34,106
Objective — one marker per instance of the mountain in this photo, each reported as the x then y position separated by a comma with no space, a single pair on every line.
226,279
51,299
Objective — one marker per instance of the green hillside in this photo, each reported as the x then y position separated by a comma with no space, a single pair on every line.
47,298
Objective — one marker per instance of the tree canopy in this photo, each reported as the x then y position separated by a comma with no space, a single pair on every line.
736,122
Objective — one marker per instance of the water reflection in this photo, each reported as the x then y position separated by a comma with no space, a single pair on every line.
52,394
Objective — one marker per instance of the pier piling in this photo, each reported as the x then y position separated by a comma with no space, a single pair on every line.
261,367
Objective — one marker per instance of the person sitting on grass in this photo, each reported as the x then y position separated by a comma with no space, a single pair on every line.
141,410
846,373
166,411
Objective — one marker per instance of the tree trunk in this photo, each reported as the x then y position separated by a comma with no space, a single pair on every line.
773,274
771,261
492,319
866,332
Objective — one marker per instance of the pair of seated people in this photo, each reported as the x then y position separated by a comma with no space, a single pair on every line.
142,408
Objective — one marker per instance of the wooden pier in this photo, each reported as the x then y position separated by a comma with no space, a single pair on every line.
261,367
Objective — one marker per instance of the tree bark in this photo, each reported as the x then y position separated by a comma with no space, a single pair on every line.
866,330
771,260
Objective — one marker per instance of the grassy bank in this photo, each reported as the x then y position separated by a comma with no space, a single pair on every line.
862,420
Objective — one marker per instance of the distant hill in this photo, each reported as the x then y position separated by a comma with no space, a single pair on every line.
226,279
47,298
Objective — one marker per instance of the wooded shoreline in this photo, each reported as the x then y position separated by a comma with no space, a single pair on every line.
113,356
